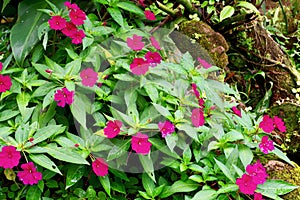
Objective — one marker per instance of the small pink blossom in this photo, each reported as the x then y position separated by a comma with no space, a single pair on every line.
153,58
166,128
195,90
266,145
135,43
100,167
29,175
197,117
140,144
72,6
63,97
279,124
236,111
88,77
204,63
5,83
112,128
258,196
246,184
141,2
267,124
77,16
149,15
258,172
78,36
57,22
1,66
139,66
69,30
155,43
9,157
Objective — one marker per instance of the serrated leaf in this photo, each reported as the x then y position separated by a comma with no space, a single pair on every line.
45,162
226,12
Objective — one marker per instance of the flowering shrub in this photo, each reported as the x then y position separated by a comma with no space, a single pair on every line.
121,109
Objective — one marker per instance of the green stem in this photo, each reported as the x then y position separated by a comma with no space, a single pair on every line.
284,16
165,9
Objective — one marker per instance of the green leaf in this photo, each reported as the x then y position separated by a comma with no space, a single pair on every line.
152,92
60,72
116,14
147,164
245,154
73,67
66,154
131,8
74,174
102,30
22,101
226,12
148,184
248,5
45,162
105,182
278,187
179,186
228,188
24,34
162,110
7,114
187,61
22,133
33,193
205,194
161,146
79,108
225,170
189,130
282,156
5,2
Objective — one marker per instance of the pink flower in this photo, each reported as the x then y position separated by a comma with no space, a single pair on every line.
197,117
135,43
69,30
246,184
78,36
29,175
195,90
154,43
88,77
258,172
141,2
266,145
267,124
149,15
63,97
236,111
140,143
57,22
9,157
279,124
153,58
166,128
204,63
100,167
1,66
5,83
139,66
77,16
112,128
258,196
73,6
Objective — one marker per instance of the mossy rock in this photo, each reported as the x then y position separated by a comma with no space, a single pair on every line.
209,40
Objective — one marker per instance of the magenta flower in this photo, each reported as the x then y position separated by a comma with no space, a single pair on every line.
69,30
267,124
166,128
154,43
258,196
139,66
197,117
1,66
9,157
246,184
77,16
258,172
153,58
88,77
266,145
135,43
78,36
195,90
149,15
100,167
29,175
63,97
236,111
71,6
112,128
5,83
204,63
57,22
279,124
140,144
